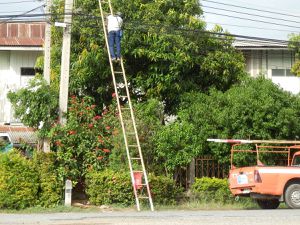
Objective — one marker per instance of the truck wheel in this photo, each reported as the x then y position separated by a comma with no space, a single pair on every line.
292,196
268,203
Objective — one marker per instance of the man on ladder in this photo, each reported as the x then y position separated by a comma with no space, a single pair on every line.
112,28
114,25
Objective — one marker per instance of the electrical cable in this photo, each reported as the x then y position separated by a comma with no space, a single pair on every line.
260,10
259,28
261,21
16,2
251,14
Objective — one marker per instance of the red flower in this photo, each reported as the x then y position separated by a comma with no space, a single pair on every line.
91,125
105,112
113,95
93,106
107,127
58,143
71,132
106,150
97,117
73,96
100,157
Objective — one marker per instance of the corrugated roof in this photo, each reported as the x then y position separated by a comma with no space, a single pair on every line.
22,34
254,44
19,134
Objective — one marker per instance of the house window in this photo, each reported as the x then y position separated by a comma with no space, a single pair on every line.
282,73
27,71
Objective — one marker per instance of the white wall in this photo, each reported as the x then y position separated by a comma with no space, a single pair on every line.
263,61
11,79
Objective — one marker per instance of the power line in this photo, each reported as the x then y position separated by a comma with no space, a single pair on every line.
136,25
16,2
21,15
251,14
261,21
260,28
260,10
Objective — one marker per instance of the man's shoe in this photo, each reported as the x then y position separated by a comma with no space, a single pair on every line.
113,59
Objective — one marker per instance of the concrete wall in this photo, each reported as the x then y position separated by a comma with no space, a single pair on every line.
11,79
266,61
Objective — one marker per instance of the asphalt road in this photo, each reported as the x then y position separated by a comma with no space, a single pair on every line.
225,217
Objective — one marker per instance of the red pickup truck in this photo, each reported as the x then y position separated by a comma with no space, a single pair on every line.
268,185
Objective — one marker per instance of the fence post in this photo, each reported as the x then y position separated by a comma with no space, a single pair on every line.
191,173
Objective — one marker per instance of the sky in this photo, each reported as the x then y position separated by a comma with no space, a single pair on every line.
265,27
17,7
262,27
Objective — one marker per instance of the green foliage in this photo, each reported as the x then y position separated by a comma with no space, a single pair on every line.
149,117
35,105
212,190
176,145
164,190
112,187
50,186
84,142
255,109
295,46
109,187
18,181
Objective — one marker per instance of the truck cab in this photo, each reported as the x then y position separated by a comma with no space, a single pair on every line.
296,159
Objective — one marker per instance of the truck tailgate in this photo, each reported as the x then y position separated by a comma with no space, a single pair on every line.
241,180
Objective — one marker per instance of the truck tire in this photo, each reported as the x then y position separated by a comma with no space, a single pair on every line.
292,196
268,203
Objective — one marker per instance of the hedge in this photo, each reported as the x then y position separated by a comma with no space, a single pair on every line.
212,190
18,181
114,187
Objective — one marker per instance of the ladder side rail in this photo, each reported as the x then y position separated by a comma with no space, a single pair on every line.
118,104
136,136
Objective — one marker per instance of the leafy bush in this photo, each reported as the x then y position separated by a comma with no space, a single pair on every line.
50,187
212,190
18,181
164,190
84,142
109,187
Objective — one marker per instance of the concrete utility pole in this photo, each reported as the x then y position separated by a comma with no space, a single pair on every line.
47,58
65,63
47,44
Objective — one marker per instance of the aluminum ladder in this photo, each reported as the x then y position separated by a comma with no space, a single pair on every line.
137,168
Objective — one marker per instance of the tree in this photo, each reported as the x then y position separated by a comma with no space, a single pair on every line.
295,45
165,47
254,109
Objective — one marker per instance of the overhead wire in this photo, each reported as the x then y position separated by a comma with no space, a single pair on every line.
16,2
251,14
254,20
251,27
249,8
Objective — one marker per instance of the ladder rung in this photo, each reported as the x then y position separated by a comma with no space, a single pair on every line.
132,146
125,108
118,72
123,96
144,197
136,158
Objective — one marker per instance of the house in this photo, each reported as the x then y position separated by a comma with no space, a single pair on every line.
272,59
21,43
14,136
